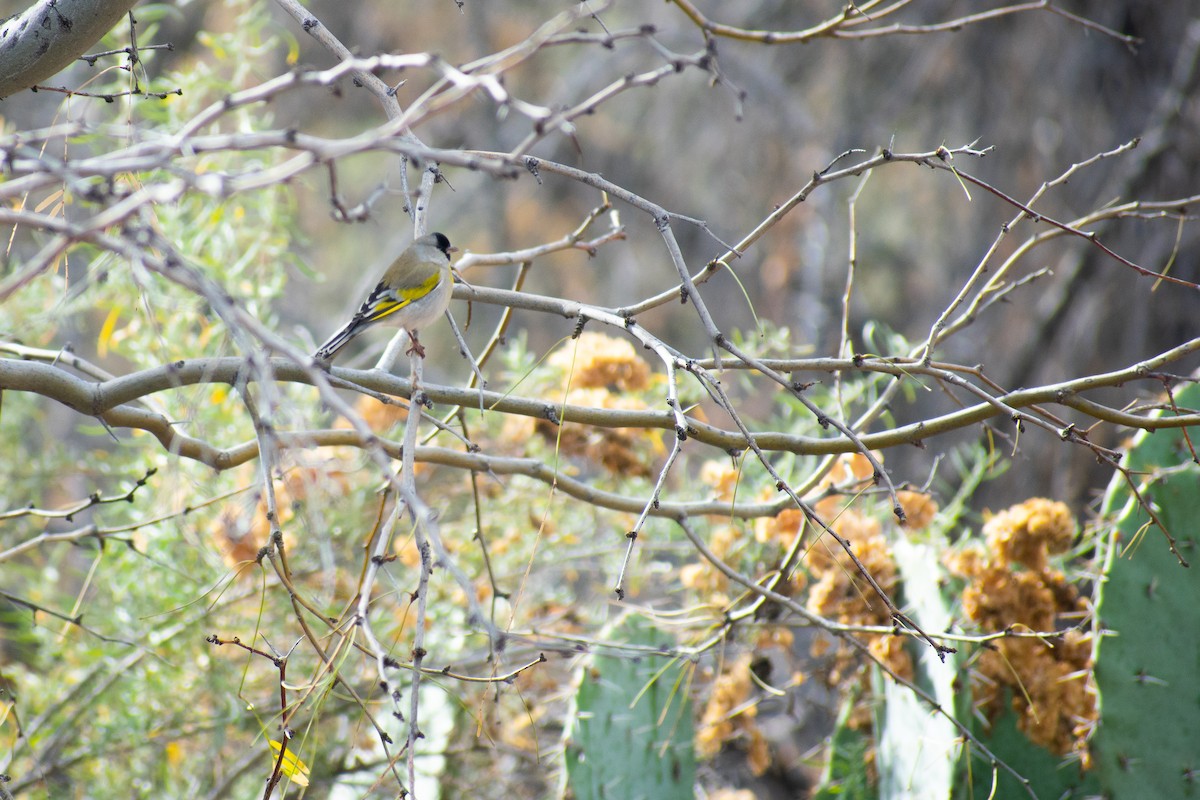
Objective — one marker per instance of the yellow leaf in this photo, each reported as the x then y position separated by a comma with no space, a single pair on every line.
293,767
210,41
106,331
206,334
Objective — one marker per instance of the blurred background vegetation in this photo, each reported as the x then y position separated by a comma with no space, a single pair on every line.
128,700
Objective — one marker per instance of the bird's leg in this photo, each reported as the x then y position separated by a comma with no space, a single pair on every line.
416,345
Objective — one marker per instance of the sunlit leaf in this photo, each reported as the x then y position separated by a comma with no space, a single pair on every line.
292,766
106,331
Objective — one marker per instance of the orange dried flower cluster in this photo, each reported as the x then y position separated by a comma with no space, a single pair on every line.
780,529
599,371
1030,532
615,448
842,594
854,471
380,417
919,508
773,636
703,576
242,529
1011,585
848,468
729,715
837,594
722,476
596,361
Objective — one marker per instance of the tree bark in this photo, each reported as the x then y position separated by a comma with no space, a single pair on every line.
50,35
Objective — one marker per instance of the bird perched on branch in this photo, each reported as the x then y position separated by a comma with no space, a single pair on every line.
412,294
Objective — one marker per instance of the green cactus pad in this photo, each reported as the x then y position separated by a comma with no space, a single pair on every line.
1148,670
631,734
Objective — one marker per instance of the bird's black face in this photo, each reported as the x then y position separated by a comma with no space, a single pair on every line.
442,243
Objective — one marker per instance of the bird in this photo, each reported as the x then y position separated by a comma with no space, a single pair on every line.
413,293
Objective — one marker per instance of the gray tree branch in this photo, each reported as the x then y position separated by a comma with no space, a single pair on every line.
49,36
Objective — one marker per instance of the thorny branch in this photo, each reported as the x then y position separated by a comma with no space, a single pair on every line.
115,215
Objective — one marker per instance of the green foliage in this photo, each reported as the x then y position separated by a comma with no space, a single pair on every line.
138,709
630,733
846,775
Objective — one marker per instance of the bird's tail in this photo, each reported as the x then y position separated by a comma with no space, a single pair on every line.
339,340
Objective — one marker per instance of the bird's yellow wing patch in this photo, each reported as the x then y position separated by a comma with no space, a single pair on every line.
388,301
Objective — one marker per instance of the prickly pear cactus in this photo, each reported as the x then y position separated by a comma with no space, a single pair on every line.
1048,776
631,731
1148,672
916,751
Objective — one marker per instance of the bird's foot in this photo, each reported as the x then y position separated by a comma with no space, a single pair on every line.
416,345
